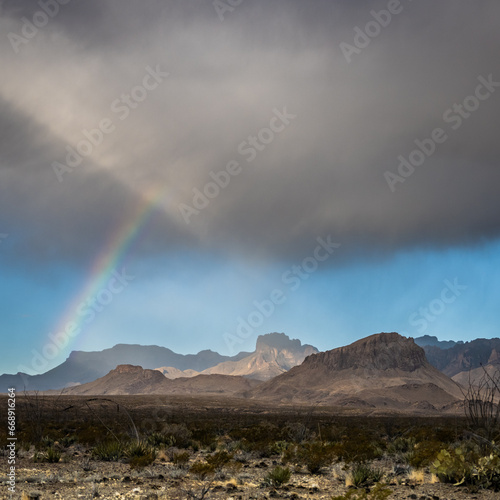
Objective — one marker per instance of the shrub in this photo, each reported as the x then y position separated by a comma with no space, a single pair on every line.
297,432
204,433
219,459
89,434
452,467
67,441
360,475
358,449
158,439
202,469
278,476
140,454
178,435
313,455
364,475
51,456
463,466
424,453
401,445
279,447
109,451
213,463
481,405
181,458
487,472
46,442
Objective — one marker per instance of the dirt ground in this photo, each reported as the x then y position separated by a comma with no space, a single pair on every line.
78,477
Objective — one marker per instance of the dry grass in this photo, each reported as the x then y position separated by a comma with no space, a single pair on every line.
417,476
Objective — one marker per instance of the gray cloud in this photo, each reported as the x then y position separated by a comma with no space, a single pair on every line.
72,220
324,174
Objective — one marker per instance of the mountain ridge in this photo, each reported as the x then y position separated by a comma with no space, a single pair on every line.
275,353
81,367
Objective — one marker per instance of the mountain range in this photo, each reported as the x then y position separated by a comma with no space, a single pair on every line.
385,370
463,361
81,367
275,353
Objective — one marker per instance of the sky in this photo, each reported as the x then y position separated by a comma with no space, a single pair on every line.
193,174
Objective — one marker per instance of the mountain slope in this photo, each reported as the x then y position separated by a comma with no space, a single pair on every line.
384,369
475,375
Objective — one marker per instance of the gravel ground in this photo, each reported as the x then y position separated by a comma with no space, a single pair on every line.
80,478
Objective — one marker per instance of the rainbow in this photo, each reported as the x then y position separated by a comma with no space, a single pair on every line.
109,259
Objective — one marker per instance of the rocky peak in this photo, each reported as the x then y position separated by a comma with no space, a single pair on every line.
278,341
128,369
129,372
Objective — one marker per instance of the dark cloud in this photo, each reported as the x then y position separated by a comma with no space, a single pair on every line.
324,174
69,221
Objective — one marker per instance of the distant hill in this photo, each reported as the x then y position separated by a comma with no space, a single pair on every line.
381,371
82,367
129,379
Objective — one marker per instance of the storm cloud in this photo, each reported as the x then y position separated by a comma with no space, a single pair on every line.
324,172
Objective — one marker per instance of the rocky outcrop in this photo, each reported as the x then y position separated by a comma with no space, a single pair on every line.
384,351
